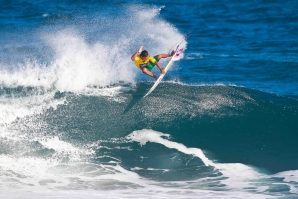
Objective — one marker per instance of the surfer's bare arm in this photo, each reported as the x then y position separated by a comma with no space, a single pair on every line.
133,57
160,68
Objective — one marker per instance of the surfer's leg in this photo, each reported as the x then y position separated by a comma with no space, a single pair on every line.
164,55
147,72
160,56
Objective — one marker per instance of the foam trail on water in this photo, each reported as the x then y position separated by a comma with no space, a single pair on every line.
145,135
238,174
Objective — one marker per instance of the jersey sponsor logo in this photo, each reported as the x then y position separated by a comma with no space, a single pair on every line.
143,66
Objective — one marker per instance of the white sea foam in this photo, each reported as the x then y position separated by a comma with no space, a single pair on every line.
79,64
35,176
153,136
289,176
13,107
63,148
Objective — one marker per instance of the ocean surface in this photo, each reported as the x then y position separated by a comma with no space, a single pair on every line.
222,124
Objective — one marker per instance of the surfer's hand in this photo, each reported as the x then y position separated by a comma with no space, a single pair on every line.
162,71
140,49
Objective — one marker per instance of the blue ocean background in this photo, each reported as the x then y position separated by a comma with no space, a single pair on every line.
222,124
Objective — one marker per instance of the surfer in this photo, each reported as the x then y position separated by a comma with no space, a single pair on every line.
146,62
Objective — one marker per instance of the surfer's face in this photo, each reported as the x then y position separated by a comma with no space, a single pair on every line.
145,58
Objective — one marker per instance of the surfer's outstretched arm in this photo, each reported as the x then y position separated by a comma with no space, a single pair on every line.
133,57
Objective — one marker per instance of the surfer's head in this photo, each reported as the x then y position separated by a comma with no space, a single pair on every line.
144,55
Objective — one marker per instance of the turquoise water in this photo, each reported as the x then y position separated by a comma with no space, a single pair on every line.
222,124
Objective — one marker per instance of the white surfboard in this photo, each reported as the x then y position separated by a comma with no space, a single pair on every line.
175,57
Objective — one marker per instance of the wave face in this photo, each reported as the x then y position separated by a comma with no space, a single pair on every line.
222,139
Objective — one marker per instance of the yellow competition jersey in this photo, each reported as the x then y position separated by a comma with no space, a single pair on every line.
141,64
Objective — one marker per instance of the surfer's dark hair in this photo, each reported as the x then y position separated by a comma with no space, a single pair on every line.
144,53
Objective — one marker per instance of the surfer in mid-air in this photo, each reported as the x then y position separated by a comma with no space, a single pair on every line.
146,62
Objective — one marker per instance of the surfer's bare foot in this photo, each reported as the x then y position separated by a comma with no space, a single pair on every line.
172,53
